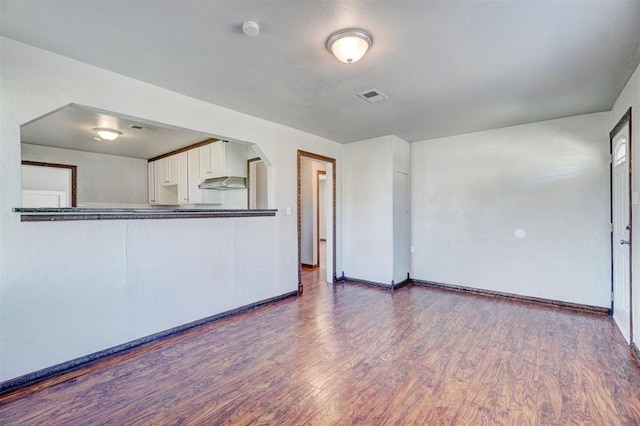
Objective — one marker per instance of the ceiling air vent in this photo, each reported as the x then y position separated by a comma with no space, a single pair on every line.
373,96
137,126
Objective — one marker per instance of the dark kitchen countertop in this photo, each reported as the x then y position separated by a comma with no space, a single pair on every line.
53,214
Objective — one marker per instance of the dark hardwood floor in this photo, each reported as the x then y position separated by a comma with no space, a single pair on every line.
351,354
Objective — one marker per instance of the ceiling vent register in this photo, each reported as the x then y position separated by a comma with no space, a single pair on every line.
372,96
137,126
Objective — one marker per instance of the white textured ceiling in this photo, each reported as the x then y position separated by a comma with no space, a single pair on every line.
71,127
448,67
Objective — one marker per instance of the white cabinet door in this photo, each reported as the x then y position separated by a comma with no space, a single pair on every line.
160,195
170,187
204,161
217,158
197,195
174,169
161,167
621,218
182,177
168,171
151,180
222,159
171,170
193,177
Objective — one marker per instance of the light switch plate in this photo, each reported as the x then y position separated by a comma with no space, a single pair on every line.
288,211
634,197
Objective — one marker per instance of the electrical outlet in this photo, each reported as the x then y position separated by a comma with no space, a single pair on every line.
413,248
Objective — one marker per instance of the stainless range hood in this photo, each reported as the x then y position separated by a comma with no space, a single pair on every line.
225,182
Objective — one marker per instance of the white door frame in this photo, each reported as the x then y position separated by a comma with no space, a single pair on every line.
625,120
319,200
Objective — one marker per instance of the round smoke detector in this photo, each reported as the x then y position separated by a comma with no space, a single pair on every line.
250,28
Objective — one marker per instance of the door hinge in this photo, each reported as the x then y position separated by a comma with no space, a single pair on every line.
612,296
611,227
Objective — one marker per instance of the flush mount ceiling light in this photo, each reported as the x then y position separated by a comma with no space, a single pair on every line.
349,45
107,134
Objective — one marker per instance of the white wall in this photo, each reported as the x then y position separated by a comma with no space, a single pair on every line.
375,248
68,289
469,193
101,178
630,97
368,210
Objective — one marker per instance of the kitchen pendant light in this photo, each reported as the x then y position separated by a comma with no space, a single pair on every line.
349,45
107,134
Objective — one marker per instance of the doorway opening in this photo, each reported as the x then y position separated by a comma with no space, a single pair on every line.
49,184
316,211
621,226
257,194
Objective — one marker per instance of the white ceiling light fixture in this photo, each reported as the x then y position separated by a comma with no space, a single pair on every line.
349,45
107,134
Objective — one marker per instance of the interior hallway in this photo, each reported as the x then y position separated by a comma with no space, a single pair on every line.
316,276
347,354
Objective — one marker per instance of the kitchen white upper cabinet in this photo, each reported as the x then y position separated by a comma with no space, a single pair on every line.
220,158
163,194
167,171
193,178
174,180
209,162
171,180
197,195
151,180
182,174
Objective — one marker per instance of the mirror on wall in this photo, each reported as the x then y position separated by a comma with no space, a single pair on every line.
126,162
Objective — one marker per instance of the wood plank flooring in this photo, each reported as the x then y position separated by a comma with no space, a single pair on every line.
351,354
